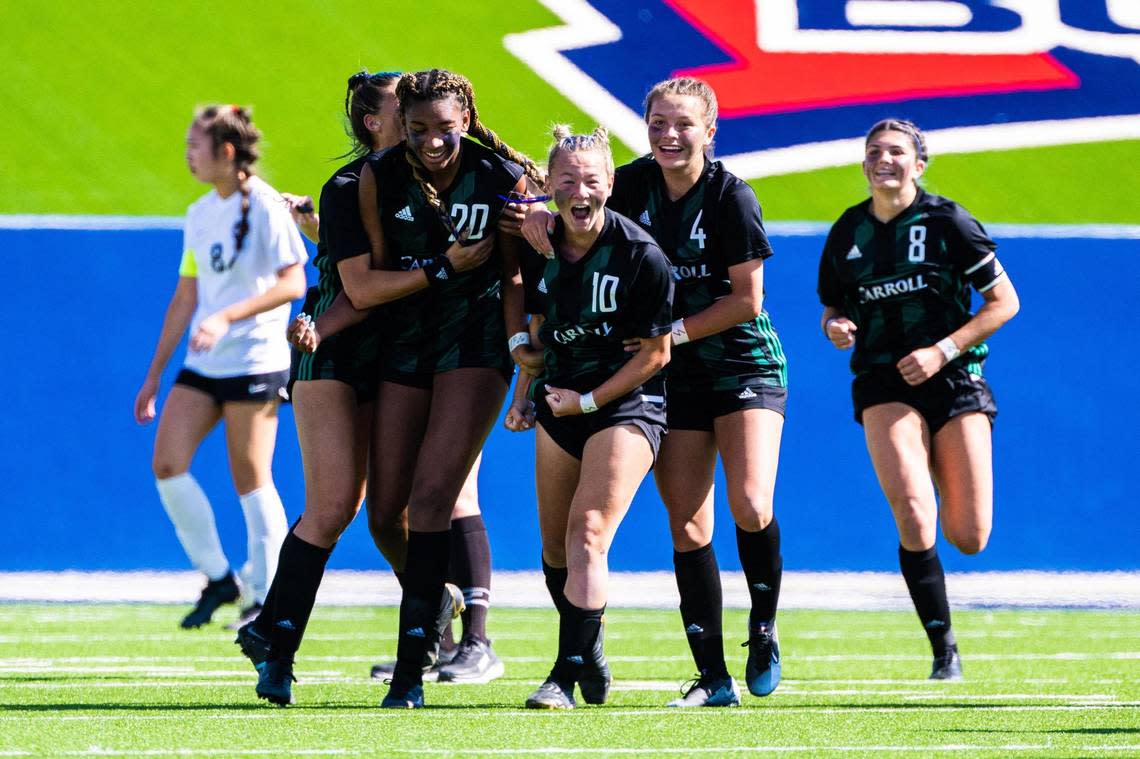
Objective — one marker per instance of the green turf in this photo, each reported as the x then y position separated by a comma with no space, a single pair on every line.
102,93
79,679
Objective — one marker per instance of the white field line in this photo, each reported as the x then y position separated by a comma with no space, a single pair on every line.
999,231
608,751
862,591
294,715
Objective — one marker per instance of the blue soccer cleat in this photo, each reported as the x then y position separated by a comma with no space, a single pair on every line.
709,691
762,672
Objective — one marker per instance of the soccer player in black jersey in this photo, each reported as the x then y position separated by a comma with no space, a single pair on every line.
353,358
895,281
600,411
727,381
431,206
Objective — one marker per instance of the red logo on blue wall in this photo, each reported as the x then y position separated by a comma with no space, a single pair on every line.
799,82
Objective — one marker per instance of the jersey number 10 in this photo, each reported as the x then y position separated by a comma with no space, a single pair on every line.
605,293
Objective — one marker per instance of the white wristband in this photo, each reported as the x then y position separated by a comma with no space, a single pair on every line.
949,349
587,403
517,339
680,336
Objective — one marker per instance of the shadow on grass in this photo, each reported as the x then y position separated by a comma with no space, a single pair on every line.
245,706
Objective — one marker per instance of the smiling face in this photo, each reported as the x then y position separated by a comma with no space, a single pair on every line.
205,163
581,182
434,129
891,163
678,134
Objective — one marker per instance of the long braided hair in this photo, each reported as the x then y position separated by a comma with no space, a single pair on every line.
232,124
424,86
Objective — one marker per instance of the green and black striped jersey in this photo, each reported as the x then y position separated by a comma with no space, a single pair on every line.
415,234
906,283
341,234
621,288
715,225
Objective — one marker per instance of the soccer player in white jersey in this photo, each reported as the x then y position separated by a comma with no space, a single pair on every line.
242,262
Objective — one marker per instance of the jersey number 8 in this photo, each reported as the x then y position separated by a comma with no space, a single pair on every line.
917,251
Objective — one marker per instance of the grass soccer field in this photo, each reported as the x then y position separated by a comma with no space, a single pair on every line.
122,680
106,90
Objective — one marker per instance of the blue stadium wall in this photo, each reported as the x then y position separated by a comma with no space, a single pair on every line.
84,310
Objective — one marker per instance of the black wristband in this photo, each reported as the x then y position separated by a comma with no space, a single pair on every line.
439,270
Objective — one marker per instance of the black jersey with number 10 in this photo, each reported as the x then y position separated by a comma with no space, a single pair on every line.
621,288
906,282
715,225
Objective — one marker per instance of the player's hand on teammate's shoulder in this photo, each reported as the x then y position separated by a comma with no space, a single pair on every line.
536,230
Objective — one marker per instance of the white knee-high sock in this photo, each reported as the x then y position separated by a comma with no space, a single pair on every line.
266,527
189,510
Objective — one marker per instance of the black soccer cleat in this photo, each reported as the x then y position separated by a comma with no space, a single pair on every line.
216,593
406,696
947,666
253,644
552,695
594,678
275,681
474,662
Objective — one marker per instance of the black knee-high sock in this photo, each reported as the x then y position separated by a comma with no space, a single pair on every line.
471,571
578,629
264,619
926,582
556,584
698,582
763,568
299,571
424,575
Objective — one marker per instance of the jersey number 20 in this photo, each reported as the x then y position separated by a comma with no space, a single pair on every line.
477,214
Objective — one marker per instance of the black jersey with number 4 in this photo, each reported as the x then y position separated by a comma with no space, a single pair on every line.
906,283
715,225
621,288
433,320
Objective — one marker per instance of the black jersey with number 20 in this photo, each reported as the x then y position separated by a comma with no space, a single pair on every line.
621,288
906,282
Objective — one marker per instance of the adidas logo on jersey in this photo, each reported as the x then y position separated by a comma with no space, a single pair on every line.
542,286
416,632
441,274
745,394
854,253
405,214
644,218
694,629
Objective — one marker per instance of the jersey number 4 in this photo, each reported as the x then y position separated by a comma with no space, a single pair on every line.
697,233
